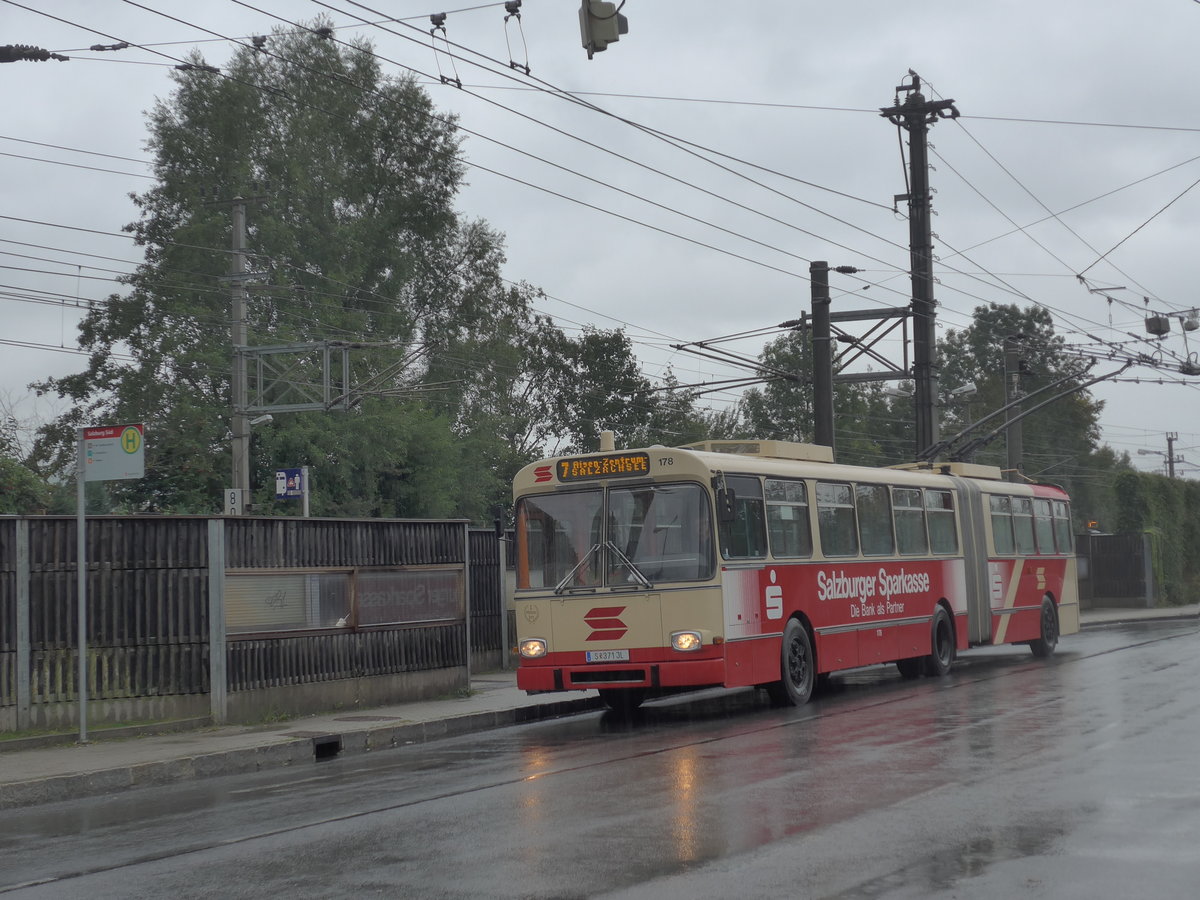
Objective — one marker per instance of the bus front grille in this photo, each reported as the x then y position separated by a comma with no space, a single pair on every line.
618,676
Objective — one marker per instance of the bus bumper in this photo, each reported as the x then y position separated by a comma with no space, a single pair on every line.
675,673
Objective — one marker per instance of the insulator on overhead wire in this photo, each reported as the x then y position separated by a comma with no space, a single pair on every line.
26,53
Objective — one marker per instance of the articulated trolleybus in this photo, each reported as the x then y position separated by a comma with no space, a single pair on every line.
737,563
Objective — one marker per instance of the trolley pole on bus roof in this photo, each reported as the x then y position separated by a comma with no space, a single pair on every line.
915,115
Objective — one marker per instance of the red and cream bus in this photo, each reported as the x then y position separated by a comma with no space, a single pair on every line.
736,563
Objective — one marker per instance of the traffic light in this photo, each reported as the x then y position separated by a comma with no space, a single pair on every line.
600,25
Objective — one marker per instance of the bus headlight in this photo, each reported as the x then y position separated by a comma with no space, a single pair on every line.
533,648
686,640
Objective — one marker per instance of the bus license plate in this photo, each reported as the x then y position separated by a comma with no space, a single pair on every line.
607,656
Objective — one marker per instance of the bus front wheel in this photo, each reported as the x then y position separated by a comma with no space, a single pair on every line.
939,661
911,668
797,668
622,700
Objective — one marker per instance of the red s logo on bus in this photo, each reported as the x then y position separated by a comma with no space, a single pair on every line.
605,623
542,473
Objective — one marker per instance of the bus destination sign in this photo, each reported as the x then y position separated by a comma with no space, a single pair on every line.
610,465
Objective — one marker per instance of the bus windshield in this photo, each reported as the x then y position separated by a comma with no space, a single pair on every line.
651,533
663,530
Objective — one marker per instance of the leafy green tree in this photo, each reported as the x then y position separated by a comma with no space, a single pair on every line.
782,409
864,418
1061,442
359,241
22,491
672,417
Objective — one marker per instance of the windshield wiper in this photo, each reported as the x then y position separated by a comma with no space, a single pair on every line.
562,585
637,573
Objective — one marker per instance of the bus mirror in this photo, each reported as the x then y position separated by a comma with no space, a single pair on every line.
726,509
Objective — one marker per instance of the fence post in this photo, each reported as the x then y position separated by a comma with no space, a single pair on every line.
24,659
217,675
502,564
466,533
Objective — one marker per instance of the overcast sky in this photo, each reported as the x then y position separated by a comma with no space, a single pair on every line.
1084,109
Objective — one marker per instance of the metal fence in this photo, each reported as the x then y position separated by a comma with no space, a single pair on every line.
1115,570
8,613
151,596
147,590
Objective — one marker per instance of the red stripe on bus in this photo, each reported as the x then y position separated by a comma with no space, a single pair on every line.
603,612
614,635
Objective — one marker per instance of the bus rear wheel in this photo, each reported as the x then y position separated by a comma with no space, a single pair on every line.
939,661
797,666
622,700
1044,645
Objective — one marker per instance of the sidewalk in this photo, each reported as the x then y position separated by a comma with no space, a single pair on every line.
33,773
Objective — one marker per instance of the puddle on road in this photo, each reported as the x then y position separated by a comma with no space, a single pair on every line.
946,869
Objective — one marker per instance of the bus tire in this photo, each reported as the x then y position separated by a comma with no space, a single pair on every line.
1044,645
913,667
622,700
941,657
797,666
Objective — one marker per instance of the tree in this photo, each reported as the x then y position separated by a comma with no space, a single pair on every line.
783,408
359,240
21,490
1061,442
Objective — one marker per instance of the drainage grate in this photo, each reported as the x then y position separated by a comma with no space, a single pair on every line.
327,746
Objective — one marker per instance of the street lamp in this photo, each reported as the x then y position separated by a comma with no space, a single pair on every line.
1168,461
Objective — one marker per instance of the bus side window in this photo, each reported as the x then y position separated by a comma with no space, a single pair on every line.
745,537
1002,528
943,533
1063,536
787,518
1043,526
1023,525
874,520
835,518
910,521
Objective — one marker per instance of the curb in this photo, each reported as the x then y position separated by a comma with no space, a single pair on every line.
1137,620
291,749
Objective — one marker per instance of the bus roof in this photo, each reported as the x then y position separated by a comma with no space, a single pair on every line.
781,459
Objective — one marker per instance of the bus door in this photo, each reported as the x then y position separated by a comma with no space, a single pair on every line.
975,557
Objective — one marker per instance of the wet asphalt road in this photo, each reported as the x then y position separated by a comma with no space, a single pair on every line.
1073,777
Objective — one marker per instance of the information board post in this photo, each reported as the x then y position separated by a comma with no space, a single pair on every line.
81,567
107,453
